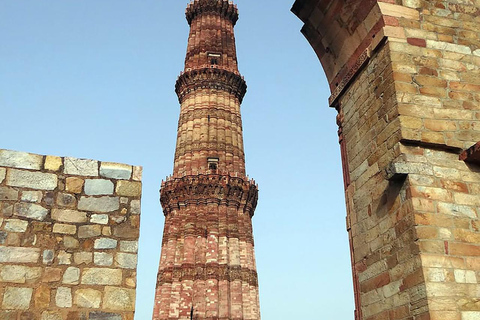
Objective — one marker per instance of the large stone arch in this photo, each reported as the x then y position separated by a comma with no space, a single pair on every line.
405,80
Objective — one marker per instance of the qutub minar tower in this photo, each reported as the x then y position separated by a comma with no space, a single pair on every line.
207,265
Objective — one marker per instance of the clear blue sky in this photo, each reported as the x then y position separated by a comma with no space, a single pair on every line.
95,79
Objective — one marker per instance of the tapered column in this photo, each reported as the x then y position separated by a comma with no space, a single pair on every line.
207,265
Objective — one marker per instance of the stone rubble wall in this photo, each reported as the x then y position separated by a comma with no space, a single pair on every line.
69,233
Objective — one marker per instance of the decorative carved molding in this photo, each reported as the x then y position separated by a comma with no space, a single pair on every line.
210,78
207,272
223,7
184,148
203,189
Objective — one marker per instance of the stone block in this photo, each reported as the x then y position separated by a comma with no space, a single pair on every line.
89,231
64,228
95,187
129,246
51,315
70,242
48,256
21,160
52,275
32,180
105,243
101,204
135,207
137,173
19,274
119,299
30,211
3,173
66,200
19,255
74,184
64,258
71,276
66,215
129,188
81,167
99,219
42,297
63,297
102,276
52,163
470,315
103,259
126,260
82,257
32,196
105,316
7,193
115,170
17,298
88,298
16,225
125,231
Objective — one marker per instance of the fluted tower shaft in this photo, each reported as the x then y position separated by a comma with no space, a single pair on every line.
207,265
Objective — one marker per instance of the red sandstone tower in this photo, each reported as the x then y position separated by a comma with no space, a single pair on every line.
207,262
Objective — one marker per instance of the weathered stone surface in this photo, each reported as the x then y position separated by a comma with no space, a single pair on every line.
99,218
63,297
64,258
82,257
74,184
48,256
70,242
102,276
7,193
135,207
30,210
94,187
119,299
105,316
42,297
129,188
21,160
137,173
19,255
71,275
19,274
115,170
51,315
64,228
126,260
89,231
81,167
102,204
3,173
66,200
52,163
52,275
33,180
129,246
16,225
102,259
105,243
17,298
32,196
88,298
66,215
125,231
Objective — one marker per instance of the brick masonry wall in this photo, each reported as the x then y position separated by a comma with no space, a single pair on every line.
405,77
68,238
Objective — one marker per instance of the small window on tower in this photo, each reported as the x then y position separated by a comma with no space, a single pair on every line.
214,58
212,163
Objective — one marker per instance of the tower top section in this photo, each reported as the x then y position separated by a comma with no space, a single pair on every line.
224,8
